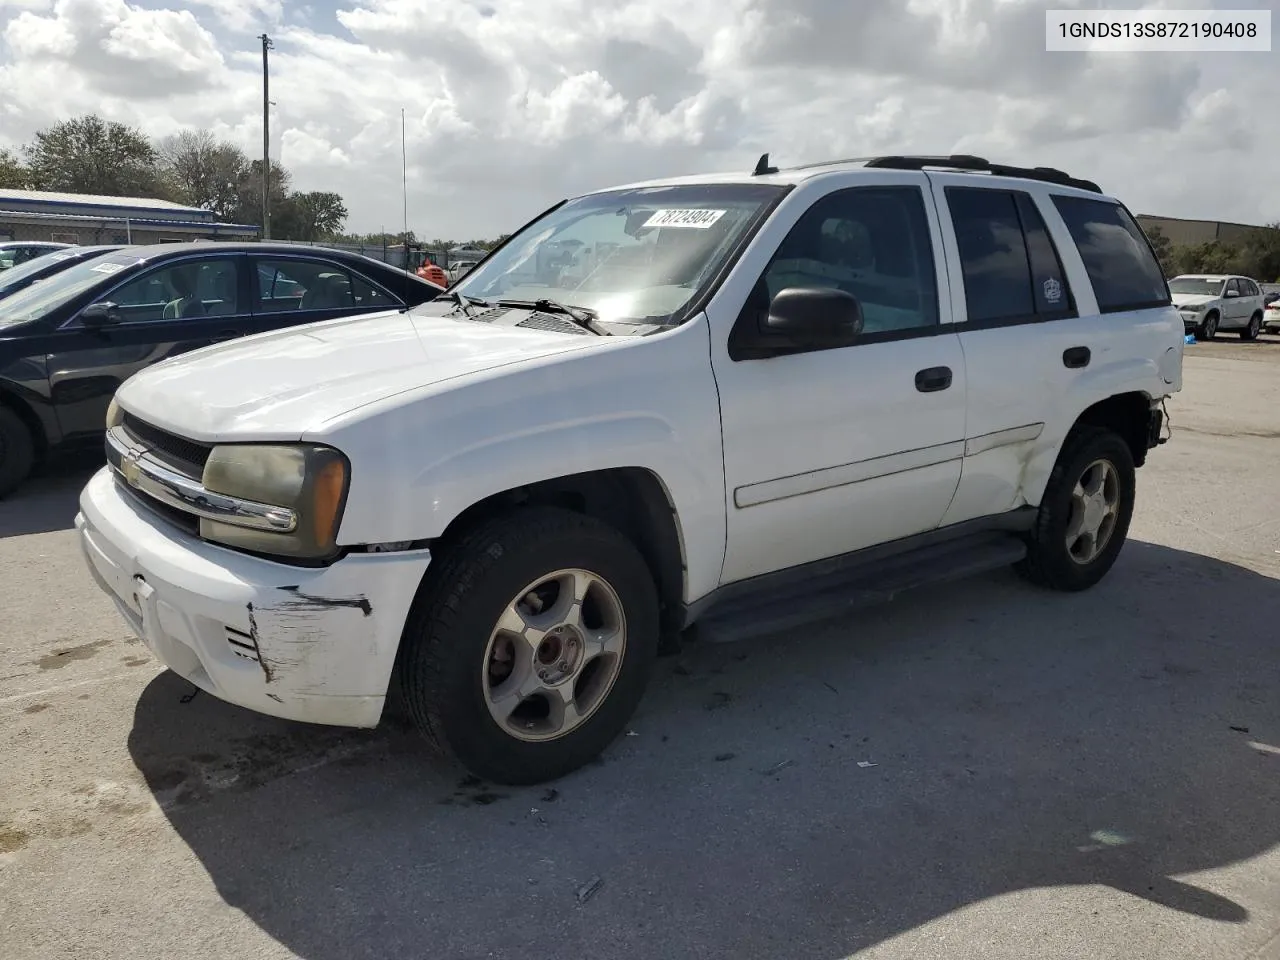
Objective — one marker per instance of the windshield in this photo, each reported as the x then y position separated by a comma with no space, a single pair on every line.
20,275
1196,286
637,255
39,298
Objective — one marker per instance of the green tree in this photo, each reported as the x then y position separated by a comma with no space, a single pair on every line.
1163,248
316,215
248,207
1261,254
91,155
13,175
205,172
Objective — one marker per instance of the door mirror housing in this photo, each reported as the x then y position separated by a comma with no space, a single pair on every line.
1230,294
814,317
104,313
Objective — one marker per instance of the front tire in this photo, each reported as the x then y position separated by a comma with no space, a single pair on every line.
1084,516
1253,329
17,451
1209,328
529,648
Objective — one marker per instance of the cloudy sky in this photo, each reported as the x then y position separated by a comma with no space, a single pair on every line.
513,104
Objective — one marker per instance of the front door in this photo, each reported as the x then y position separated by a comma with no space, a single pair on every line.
829,451
170,309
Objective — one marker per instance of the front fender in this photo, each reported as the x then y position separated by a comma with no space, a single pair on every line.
650,404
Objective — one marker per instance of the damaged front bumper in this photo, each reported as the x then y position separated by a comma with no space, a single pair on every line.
316,645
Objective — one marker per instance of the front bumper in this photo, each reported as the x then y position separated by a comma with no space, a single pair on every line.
316,645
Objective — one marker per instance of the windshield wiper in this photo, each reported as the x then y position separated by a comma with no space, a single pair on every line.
463,301
582,316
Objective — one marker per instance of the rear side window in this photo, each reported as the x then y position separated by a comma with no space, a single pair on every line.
286,285
1011,269
1124,272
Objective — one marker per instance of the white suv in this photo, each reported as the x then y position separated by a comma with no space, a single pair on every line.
755,399
1210,303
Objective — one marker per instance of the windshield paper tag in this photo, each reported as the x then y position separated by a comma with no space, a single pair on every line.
108,268
694,219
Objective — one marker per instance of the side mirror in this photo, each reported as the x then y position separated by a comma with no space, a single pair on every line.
1230,293
814,317
104,313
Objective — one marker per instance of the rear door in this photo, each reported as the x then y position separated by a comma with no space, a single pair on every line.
1048,286
169,309
292,290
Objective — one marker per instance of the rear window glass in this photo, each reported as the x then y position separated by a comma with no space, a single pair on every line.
1124,273
993,254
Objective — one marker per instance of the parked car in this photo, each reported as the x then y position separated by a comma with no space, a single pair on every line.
46,265
770,395
67,342
14,253
1271,307
460,269
1213,302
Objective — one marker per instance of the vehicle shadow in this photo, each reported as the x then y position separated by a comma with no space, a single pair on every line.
800,797
49,499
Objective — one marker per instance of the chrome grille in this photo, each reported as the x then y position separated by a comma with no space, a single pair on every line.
186,456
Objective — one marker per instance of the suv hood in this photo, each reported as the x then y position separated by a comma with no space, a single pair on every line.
1192,299
279,385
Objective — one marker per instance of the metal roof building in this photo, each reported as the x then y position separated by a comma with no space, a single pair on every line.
87,219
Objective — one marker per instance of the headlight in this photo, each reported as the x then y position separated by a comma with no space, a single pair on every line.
1190,309
114,414
309,480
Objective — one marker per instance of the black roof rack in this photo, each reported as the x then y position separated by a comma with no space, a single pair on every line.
979,165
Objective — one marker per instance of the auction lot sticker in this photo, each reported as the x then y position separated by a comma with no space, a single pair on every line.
694,219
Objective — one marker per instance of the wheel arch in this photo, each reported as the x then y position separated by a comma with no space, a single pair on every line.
24,412
633,500
1127,414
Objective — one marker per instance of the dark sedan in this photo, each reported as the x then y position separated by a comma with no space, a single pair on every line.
68,342
46,265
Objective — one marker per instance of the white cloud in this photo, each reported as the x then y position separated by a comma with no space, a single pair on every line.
513,104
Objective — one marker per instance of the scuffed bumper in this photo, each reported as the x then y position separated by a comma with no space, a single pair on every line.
312,645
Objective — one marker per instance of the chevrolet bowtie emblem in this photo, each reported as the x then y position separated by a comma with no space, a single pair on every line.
129,467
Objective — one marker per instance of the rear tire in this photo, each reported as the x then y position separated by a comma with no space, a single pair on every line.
1056,555
1253,329
472,647
17,451
1209,329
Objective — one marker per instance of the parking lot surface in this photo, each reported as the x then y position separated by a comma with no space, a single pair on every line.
977,770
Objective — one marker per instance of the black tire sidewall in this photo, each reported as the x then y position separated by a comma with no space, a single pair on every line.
1064,571
17,451
490,579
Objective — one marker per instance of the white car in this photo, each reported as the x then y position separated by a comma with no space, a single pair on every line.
1211,303
460,269
768,395
1271,307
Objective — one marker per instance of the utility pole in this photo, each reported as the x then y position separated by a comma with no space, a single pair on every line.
266,141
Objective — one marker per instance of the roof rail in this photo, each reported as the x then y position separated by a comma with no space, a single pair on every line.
979,165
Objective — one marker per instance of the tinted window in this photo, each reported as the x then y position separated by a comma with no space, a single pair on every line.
1233,286
993,254
872,242
189,289
316,285
1124,272
1049,285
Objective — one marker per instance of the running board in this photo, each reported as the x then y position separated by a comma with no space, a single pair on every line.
838,593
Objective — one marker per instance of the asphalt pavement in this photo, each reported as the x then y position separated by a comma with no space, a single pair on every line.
977,770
